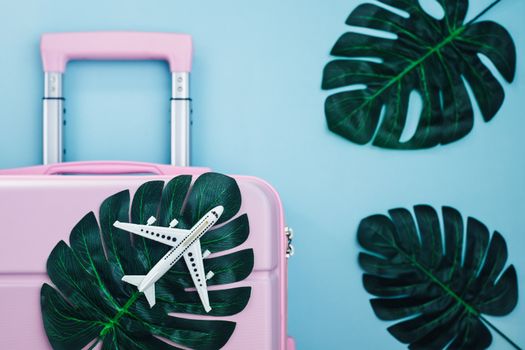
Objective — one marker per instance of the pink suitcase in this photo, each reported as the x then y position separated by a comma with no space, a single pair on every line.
35,219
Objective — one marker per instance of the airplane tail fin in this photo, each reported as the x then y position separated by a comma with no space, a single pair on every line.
136,280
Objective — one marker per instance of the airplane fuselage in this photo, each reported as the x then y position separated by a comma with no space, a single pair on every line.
175,253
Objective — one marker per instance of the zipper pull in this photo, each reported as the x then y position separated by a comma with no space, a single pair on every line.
290,251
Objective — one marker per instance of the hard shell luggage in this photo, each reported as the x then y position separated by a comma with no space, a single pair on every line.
41,205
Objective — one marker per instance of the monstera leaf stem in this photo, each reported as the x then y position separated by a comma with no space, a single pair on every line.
449,291
448,279
467,307
410,68
89,304
124,310
513,344
454,35
437,58
487,9
108,326
441,284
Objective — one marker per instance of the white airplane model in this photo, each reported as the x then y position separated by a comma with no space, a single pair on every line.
185,243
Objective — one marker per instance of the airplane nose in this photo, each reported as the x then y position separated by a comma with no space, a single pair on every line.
219,210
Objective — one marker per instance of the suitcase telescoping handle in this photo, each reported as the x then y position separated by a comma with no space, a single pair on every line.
59,48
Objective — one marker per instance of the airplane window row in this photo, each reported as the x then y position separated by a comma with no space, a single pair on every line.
158,235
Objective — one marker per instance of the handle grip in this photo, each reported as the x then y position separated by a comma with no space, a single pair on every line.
59,48
104,168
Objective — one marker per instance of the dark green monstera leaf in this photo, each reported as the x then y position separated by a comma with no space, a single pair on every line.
430,56
443,283
91,304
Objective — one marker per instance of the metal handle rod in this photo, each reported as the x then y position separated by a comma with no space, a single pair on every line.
180,119
53,119
53,109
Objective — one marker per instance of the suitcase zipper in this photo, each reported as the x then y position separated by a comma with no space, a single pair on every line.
288,231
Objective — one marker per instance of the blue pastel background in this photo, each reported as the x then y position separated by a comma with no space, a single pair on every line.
258,110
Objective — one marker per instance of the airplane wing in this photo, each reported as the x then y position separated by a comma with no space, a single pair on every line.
166,235
193,259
